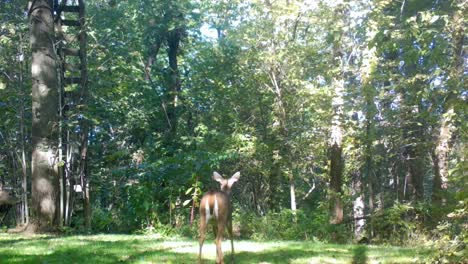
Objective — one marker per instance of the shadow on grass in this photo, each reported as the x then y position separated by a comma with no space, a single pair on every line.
84,250
285,255
360,255
92,251
135,249
17,239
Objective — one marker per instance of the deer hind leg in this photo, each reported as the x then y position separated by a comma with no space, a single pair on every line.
215,230
202,231
219,239
229,228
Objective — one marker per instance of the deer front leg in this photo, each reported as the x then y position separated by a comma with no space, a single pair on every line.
202,231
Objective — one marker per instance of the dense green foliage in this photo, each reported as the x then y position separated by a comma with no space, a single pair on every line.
251,88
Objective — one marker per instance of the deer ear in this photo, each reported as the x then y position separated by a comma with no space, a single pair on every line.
234,178
217,177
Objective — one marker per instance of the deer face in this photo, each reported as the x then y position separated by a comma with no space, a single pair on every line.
226,184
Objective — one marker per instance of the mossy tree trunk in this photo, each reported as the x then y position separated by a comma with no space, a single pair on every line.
44,116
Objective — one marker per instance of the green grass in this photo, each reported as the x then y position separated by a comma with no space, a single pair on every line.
154,249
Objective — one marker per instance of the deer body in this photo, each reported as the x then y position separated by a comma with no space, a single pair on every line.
215,209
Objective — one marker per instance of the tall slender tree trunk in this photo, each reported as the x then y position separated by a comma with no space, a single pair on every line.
44,115
284,151
85,122
173,40
358,208
273,182
368,167
292,192
414,162
68,185
338,60
83,173
414,175
336,160
24,180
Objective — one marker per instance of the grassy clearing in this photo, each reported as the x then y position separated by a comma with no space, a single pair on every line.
154,249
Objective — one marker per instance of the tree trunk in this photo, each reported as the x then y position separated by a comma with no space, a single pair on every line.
368,172
68,183
273,183
336,161
336,170
84,123
415,162
292,192
173,41
83,172
442,150
192,212
44,115
284,151
24,180
446,129
358,208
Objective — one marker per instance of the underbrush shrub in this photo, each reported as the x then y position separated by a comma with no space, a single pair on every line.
102,220
450,238
158,228
284,225
190,231
399,224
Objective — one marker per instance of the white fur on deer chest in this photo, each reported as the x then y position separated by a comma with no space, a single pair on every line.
208,213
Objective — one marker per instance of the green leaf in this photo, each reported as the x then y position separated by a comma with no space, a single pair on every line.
189,190
434,19
186,202
146,205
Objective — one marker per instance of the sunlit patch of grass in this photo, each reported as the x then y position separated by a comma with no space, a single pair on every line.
107,248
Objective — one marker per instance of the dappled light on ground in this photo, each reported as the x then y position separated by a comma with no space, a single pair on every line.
155,249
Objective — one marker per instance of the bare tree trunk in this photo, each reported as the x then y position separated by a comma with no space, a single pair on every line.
44,115
61,135
194,204
192,212
336,161
339,61
68,186
358,208
173,40
85,122
83,176
284,151
415,164
24,180
336,206
292,192
273,181
368,160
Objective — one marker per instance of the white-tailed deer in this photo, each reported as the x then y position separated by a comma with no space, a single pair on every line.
215,208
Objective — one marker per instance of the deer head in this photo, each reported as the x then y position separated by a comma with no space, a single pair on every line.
215,208
226,184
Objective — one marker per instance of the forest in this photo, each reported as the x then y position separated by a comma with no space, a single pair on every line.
320,131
